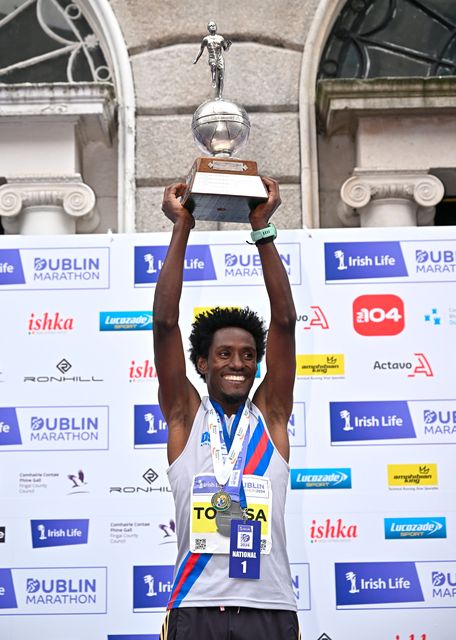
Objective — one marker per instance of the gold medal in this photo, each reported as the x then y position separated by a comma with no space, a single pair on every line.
221,501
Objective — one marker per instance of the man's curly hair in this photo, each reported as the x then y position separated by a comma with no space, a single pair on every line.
207,323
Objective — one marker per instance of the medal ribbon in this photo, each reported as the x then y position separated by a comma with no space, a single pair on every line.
229,452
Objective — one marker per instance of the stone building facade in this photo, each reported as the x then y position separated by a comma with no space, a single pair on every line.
352,113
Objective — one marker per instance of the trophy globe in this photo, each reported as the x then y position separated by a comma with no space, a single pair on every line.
220,127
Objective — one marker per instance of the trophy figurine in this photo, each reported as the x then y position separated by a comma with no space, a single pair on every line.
220,188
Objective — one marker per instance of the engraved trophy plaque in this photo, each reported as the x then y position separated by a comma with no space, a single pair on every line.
221,188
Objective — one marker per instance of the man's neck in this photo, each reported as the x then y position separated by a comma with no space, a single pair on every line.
229,408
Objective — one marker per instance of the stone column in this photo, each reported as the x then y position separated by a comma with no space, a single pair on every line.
390,198
36,205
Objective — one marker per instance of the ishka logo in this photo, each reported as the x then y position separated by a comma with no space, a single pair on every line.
143,371
332,531
49,323
378,315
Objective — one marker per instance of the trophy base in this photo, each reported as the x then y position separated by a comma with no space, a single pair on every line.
223,189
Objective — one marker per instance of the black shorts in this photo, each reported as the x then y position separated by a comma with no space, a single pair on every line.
229,623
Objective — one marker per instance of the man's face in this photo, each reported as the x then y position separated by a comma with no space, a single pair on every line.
231,365
212,28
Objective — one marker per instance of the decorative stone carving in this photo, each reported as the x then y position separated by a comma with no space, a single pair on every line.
389,198
55,198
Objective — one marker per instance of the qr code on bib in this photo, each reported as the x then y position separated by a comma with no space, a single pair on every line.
200,544
245,537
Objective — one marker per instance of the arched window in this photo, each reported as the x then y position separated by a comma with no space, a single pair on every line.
392,38
48,41
64,52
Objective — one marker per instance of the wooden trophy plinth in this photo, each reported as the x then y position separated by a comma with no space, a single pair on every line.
223,189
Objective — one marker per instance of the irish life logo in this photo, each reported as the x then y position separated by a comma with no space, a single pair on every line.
59,533
151,587
148,260
363,260
370,421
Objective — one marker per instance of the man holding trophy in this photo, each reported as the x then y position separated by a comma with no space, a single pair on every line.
228,455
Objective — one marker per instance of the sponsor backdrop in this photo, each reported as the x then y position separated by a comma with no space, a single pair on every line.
87,528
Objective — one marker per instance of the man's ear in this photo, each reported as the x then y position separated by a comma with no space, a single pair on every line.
201,365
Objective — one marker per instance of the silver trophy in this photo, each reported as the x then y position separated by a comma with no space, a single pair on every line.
219,187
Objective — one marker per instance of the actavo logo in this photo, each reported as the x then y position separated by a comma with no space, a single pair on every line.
420,365
315,318
378,315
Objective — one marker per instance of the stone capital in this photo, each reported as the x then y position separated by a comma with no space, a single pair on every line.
69,192
420,187
52,196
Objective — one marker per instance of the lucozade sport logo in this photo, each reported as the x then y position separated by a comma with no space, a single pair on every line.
413,528
339,478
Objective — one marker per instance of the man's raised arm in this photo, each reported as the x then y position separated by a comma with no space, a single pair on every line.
274,397
178,398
